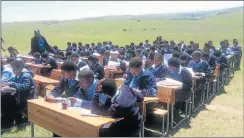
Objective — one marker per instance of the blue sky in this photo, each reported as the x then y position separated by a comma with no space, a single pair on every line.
63,10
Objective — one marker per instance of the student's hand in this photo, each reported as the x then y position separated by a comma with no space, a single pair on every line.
4,84
72,100
49,98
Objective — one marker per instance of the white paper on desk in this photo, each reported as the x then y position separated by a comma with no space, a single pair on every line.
85,67
112,63
85,112
169,82
166,58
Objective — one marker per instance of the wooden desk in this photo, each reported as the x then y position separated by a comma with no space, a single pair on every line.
41,82
37,67
65,123
28,59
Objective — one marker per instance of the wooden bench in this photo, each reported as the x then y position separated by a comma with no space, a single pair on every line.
28,59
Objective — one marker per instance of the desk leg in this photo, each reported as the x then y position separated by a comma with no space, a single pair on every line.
32,130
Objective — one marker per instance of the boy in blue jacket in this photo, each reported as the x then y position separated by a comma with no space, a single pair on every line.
14,105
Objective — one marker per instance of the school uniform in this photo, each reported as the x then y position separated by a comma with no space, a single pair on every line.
98,70
160,71
15,104
212,62
7,73
65,88
237,49
81,64
122,105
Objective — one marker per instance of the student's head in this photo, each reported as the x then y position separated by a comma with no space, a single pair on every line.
92,60
235,42
210,43
74,45
158,59
183,59
107,86
138,52
68,44
121,53
93,44
196,46
69,69
217,53
205,56
75,58
172,42
114,54
132,44
37,55
147,41
189,51
10,60
45,56
173,63
107,54
176,54
17,66
79,44
86,77
55,47
206,46
196,55
176,48
37,33
68,54
192,43
135,65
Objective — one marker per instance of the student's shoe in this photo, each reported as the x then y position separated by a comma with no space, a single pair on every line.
21,121
6,123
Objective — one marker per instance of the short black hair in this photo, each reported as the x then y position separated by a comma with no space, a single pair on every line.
189,51
68,43
37,55
109,87
138,50
74,44
86,73
196,54
173,61
217,53
93,58
205,54
68,66
135,62
55,47
45,55
183,57
10,60
175,48
76,55
176,54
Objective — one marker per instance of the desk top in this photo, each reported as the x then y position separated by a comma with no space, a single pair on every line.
150,99
96,121
29,57
38,65
45,80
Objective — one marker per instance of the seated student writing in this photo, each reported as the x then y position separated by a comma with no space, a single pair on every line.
14,105
38,59
122,104
68,85
75,58
46,59
181,74
159,70
201,68
96,67
221,60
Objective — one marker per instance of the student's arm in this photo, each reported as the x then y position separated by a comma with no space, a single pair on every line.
58,90
151,89
24,85
187,79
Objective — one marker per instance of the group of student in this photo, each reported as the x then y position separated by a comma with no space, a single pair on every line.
87,86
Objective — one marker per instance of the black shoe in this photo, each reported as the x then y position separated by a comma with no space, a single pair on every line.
7,123
21,121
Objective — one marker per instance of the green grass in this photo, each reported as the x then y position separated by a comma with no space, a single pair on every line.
224,118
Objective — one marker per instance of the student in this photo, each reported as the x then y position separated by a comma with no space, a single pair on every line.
184,60
75,58
68,55
210,59
181,74
237,49
208,48
97,68
123,104
48,60
106,58
68,85
114,60
7,73
211,45
69,47
38,59
75,49
15,104
196,47
176,54
138,53
141,80
159,70
13,52
221,60
224,49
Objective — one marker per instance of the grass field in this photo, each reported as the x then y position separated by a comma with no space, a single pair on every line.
224,116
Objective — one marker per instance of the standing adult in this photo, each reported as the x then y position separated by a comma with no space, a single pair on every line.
39,44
